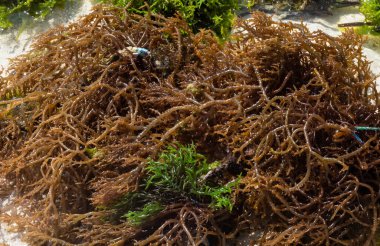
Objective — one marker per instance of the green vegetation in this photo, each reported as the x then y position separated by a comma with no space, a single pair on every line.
136,218
371,11
250,3
182,170
38,9
217,15
365,30
93,152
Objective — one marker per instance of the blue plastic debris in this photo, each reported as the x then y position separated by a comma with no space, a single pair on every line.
356,136
142,52
138,51
363,128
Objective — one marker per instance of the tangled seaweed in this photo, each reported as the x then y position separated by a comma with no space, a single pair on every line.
278,104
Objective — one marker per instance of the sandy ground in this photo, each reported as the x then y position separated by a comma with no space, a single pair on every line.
17,40
14,43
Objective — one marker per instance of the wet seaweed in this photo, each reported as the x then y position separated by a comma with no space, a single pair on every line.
82,114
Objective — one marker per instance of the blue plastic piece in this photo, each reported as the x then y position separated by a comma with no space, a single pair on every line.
357,138
363,128
142,52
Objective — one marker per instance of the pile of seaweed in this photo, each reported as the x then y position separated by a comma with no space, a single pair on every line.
290,114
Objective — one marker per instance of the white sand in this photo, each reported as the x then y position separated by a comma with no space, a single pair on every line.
13,42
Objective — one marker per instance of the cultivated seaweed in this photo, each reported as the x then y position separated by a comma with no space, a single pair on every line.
287,110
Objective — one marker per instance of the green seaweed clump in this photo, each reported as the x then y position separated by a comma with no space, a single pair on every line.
38,9
217,15
371,10
181,170
138,217
181,174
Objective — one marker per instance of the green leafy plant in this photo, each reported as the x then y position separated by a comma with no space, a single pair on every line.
93,153
251,3
217,15
220,196
37,8
136,218
371,10
181,170
131,202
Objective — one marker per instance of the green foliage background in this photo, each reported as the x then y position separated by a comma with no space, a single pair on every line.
371,11
217,15
36,8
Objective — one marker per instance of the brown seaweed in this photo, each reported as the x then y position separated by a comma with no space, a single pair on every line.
277,104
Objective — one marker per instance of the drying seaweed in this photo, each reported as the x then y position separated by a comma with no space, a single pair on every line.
293,113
